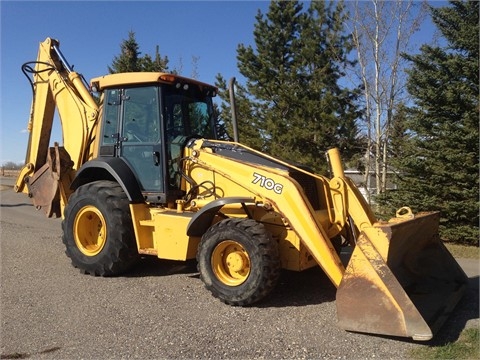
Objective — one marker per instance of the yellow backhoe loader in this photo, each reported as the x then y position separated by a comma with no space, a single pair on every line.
143,170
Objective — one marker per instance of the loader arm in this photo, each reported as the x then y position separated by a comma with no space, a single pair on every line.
273,189
48,172
277,190
400,280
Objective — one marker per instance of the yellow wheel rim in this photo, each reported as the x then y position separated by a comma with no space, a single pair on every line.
90,231
231,263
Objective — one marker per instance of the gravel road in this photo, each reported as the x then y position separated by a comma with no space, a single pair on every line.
161,309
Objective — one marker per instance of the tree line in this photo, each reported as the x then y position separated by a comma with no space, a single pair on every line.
343,74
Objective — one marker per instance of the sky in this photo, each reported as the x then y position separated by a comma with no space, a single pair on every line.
90,34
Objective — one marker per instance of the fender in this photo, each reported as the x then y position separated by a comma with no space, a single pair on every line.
202,220
110,168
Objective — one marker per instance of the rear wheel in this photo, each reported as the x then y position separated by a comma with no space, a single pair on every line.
238,261
98,231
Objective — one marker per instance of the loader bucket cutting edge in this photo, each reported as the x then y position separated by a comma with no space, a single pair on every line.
412,292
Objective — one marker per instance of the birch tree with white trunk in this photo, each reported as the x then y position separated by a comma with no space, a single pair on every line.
382,31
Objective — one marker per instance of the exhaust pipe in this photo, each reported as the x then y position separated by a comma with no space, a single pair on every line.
233,106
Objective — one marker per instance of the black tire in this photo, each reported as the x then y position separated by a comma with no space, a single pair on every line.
255,256
93,210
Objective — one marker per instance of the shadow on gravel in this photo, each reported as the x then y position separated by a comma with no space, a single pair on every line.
15,205
467,309
152,266
312,287
308,287
17,355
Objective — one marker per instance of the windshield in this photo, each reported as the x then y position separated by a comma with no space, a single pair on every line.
188,112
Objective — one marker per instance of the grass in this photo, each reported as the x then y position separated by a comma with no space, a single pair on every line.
462,251
466,347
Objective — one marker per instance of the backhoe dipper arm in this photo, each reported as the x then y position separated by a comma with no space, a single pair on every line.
56,86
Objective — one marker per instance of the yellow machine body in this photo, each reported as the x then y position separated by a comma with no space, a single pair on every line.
399,280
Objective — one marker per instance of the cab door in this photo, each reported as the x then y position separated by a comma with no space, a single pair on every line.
140,133
132,131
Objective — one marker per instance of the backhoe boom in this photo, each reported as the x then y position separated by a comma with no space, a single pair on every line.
47,173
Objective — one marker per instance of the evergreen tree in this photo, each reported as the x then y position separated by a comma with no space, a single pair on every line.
270,73
292,98
399,136
439,165
157,64
249,129
130,60
328,110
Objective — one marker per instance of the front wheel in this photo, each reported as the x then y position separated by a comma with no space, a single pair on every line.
238,261
98,231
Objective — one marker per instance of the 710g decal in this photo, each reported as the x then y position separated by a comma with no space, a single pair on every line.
267,183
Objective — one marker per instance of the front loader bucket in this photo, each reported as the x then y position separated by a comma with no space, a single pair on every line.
400,280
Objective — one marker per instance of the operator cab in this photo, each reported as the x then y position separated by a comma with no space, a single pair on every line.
147,120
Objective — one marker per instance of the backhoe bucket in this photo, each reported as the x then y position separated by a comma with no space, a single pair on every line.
400,280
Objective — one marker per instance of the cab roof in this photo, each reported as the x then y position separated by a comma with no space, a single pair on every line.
137,78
